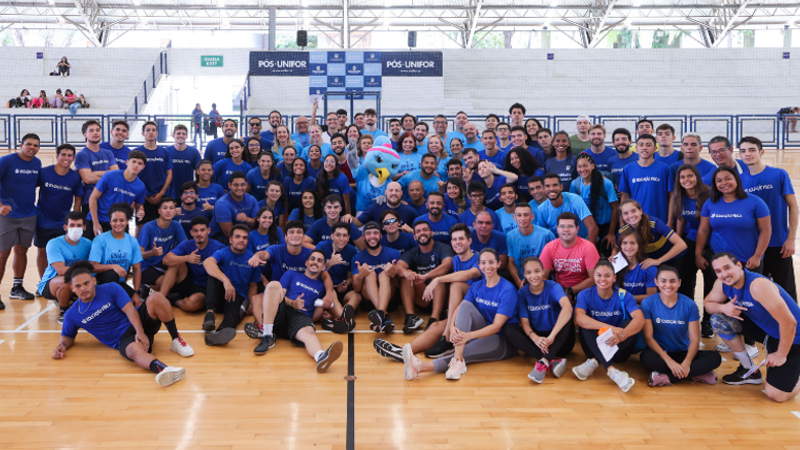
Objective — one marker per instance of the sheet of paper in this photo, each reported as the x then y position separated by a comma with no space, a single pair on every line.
315,98
608,351
619,262
753,370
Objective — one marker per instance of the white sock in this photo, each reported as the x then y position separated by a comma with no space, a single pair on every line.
318,355
744,359
267,329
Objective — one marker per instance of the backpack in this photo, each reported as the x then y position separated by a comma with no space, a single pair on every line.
784,111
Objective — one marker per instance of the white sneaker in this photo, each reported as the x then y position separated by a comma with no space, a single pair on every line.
170,375
411,362
723,347
586,369
558,367
622,379
752,350
180,347
457,368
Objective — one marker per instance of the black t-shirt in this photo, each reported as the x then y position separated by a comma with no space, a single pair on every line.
423,263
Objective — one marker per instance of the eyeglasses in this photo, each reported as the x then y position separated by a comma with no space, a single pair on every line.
717,152
255,124
477,195
390,221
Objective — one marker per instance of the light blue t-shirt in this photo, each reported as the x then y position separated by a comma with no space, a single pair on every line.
429,185
125,252
521,247
603,206
548,214
671,325
507,221
410,162
59,250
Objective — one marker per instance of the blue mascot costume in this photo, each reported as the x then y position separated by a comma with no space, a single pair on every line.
380,165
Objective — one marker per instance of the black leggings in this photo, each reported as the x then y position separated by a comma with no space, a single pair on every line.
109,276
688,274
215,301
588,342
704,362
562,345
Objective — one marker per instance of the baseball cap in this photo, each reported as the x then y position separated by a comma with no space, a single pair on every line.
372,225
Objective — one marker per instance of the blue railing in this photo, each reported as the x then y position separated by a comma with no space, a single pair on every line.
160,67
56,129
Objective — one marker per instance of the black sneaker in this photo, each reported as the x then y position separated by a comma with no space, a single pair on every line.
18,292
348,316
267,342
389,350
209,321
440,349
37,293
2,305
329,356
252,330
220,337
706,330
737,377
337,326
376,321
61,317
388,324
431,321
413,322
173,298
144,292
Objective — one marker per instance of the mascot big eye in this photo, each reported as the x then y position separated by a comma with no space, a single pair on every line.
380,165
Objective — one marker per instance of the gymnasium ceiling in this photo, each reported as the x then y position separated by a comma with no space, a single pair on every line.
593,19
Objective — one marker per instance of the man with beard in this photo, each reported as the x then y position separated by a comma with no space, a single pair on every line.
490,151
430,259
526,241
560,202
485,236
338,147
440,223
692,147
216,149
92,162
470,170
235,207
434,341
624,156
421,136
394,202
425,175
518,137
254,128
370,121
396,130
275,119
598,150
471,137
373,269
189,210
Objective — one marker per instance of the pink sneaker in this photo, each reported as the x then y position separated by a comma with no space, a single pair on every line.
658,379
708,378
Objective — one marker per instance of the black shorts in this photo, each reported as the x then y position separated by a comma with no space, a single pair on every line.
289,321
150,327
785,377
43,236
152,274
50,295
187,288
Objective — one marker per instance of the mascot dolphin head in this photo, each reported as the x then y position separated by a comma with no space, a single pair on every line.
382,163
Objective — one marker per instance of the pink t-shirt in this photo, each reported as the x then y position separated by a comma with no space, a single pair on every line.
571,264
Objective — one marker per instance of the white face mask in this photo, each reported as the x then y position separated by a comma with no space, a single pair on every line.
74,234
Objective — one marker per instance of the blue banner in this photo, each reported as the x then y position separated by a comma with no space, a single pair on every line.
274,64
412,64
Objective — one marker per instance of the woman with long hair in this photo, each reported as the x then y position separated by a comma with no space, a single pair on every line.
298,182
232,162
520,162
283,139
287,158
259,176
314,158
410,159
276,201
310,209
455,199
331,180
640,282
532,127
564,162
253,146
208,191
267,233
600,197
662,244
436,147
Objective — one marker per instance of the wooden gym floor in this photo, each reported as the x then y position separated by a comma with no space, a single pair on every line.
233,400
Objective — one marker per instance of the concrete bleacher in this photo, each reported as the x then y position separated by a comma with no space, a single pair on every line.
108,78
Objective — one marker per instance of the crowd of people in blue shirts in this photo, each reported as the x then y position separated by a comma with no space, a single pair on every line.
514,239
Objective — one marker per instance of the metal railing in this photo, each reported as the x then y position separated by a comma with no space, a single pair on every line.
159,68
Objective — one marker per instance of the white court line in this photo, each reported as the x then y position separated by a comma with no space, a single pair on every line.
33,319
1,342
796,413
723,358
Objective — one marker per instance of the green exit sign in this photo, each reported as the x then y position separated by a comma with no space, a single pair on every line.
211,61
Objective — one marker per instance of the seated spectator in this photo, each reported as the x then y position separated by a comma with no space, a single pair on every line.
373,268
63,66
40,101
392,236
339,254
69,98
23,101
58,100
80,102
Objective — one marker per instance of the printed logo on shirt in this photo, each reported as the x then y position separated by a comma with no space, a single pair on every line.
574,265
124,192
181,161
238,264
670,321
538,308
746,304
163,239
57,186
633,284
760,187
726,216
606,313
100,161
26,172
99,311
307,287
486,302
155,159
646,179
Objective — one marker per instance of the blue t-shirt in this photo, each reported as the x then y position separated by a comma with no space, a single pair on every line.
125,252
375,133
215,150
115,188
18,181
225,167
258,184
440,229
741,168
198,271
184,163
56,196
409,163
468,219
674,157
340,186
209,194
548,214
226,209
294,191
387,255
601,159
103,317
98,161
407,213
735,225
490,301
268,135
279,209
497,241
521,247
772,185
429,185
281,261
477,145
499,159
168,239
321,231
404,242
507,222
659,243
120,154
602,214
493,193
185,218
338,272
756,311
541,309
461,266
58,250
301,140
297,283
704,167
451,208
610,311
616,166
566,169
257,241
154,174
312,172
236,268
637,280
671,325
650,186
536,151
422,263
688,214
307,220
325,148
285,171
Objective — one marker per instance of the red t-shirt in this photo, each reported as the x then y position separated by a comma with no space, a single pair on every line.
571,264
345,169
